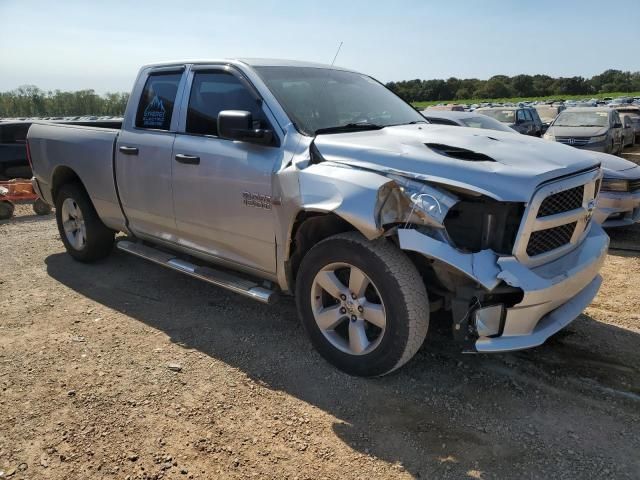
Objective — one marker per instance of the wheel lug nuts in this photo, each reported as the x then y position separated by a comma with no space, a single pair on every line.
353,295
343,310
360,309
353,318
343,296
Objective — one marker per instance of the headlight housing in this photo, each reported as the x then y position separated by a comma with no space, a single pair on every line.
599,138
614,185
410,201
548,136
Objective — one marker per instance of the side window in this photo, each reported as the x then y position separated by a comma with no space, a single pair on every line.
527,115
156,103
213,92
520,116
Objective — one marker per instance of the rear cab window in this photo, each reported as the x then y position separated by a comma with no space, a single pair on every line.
157,101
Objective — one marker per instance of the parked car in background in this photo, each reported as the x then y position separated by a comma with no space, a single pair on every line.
521,119
633,114
465,119
619,199
628,133
449,107
13,154
548,113
590,128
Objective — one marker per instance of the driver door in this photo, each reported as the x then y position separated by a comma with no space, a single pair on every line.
222,188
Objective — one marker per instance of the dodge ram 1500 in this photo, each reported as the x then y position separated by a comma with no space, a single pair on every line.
275,177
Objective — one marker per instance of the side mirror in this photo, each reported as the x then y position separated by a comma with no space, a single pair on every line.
238,125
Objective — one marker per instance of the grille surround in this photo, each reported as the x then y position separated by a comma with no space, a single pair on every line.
574,141
535,220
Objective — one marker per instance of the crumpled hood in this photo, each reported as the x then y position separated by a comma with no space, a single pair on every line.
519,163
577,131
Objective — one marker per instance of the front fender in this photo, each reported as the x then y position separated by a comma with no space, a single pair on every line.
350,193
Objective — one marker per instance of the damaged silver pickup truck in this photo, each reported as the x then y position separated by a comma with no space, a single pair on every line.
268,177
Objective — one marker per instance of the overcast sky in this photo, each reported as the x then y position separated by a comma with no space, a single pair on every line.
69,44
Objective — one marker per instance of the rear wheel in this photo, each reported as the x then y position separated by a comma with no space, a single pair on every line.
84,235
363,304
6,210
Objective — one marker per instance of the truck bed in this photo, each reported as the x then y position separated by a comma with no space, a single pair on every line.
56,149
13,135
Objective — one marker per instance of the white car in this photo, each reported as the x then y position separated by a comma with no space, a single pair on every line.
619,199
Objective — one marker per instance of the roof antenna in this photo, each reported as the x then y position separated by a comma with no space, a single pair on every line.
336,55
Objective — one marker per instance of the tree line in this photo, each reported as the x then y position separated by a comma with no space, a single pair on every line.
30,101
503,86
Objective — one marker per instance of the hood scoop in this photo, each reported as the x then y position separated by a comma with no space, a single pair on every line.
459,153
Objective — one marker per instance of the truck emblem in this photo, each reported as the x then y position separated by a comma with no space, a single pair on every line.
256,200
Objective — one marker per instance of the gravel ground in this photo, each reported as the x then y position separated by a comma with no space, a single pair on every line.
123,369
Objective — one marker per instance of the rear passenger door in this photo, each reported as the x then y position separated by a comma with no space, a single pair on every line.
222,188
143,154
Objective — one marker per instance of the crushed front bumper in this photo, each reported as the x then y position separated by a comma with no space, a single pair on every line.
617,209
554,294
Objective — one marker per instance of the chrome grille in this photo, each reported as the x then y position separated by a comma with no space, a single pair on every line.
634,185
574,141
544,241
564,201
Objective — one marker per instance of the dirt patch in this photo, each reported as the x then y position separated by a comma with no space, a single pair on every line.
123,369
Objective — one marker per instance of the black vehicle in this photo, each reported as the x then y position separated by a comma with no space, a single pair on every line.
13,152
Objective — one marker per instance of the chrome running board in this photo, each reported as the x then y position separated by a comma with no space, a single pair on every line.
220,278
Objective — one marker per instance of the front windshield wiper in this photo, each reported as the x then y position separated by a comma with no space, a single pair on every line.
414,122
349,127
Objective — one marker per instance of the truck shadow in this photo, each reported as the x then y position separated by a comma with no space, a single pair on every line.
444,414
625,241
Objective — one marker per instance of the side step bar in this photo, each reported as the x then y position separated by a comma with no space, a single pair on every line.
219,278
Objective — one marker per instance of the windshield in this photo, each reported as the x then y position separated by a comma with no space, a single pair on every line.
504,116
321,98
582,119
484,122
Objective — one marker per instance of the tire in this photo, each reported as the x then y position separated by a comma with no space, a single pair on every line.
6,210
41,207
98,239
395,288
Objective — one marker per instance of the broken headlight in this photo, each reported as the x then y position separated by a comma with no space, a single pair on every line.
411,202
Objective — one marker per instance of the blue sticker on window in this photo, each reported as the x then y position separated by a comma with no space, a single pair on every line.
154,114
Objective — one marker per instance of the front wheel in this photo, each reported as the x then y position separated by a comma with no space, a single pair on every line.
363,304
84,235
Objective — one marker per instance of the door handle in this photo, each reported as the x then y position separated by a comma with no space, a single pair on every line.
128,150
188,159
